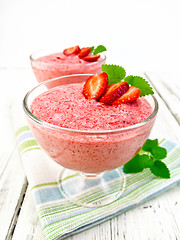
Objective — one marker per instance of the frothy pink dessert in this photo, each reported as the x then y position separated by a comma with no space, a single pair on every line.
57,64
65,106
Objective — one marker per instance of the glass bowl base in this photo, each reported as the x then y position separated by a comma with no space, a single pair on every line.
92,190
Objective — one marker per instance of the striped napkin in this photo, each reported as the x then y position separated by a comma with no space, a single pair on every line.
60,217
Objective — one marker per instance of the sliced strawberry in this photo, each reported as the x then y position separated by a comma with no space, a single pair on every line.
91,58
84,52
95,86
110,88
130,96
71,50
114,91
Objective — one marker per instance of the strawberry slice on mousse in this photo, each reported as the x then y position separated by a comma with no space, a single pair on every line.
114,91
91,58
131,95
71,50
95,86
84,52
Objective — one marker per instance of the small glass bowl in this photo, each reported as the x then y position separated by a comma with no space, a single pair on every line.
45,70
92,158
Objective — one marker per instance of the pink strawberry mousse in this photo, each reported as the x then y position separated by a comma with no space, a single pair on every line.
58,64
65,106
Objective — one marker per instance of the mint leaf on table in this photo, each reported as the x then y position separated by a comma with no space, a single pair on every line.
137,164
115,73
160,169
149,156
159,152
140,83
149,144
99,49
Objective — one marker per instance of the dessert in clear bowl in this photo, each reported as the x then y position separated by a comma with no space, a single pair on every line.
49,64
90,139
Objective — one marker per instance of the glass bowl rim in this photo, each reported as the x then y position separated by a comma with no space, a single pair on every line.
55,127
101,59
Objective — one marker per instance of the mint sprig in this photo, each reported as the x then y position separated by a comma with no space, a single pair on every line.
149,156
140,83
92,49
160,169
117,73
98,49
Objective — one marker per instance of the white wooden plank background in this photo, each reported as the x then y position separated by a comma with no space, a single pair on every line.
158,218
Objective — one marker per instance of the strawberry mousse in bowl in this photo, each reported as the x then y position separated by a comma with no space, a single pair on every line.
91,138
49,64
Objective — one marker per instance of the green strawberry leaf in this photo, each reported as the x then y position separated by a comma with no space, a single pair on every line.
115,73
160,169
140,83
99,49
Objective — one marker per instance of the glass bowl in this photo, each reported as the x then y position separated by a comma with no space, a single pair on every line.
57,67
92,158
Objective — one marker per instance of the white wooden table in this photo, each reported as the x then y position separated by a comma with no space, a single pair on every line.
157,219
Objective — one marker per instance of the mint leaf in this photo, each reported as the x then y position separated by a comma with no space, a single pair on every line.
115,73
99,49
134,165
149,144
137,164
160,169
147,160
149,156
140,83
129,79
159,152
92,49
